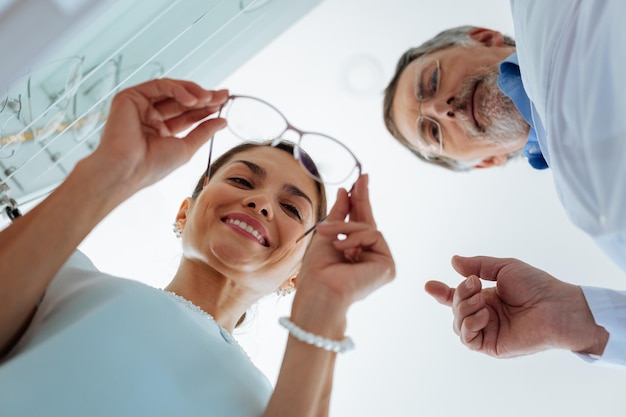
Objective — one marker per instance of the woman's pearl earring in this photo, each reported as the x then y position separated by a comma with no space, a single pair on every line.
282,292
178,232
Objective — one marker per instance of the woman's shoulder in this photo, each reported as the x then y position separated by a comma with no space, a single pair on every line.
79,272
79,260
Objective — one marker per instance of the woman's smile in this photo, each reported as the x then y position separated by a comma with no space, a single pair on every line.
248,227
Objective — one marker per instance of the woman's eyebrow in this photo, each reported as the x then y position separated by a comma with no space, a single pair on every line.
256,169
295,191
262,173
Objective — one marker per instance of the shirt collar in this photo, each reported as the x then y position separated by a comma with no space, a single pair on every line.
510,83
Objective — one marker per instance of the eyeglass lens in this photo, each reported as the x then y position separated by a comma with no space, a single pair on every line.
251,119
427,85
35,105
100,82
46,113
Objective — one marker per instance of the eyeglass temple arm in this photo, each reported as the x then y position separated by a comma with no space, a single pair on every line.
219,114
311,229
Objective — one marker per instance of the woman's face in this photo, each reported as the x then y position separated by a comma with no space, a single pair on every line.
248,217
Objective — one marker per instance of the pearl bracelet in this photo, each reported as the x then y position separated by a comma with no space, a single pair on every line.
312,339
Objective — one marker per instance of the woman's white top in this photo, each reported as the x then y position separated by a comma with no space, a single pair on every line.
106,346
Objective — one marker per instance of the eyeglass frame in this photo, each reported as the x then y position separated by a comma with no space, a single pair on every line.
276,141
7,140
61,100
420,99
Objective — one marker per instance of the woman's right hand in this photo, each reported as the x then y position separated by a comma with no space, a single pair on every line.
137,148
139,145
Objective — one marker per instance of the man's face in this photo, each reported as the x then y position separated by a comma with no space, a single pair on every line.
462,112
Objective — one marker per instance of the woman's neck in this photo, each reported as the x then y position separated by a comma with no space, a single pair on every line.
215,293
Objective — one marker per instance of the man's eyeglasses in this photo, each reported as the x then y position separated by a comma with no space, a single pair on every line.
254,120
428,129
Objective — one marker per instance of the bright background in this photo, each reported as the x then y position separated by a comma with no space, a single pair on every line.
326,74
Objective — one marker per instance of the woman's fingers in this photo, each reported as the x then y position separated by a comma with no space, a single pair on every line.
170,108
340,209
202,133
185,92
356,204
187,119
354,238
171,115
360,207
364,239
341,230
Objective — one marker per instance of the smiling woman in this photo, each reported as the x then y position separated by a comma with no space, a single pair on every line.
244,221
75,341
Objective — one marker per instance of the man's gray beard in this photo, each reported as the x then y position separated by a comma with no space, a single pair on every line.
502,122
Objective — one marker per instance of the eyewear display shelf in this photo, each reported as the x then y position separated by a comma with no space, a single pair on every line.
52,115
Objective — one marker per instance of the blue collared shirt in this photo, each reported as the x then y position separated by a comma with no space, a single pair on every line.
510,82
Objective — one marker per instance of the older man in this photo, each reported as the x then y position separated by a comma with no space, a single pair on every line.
473,98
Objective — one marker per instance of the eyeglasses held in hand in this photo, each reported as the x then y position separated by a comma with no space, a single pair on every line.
254,120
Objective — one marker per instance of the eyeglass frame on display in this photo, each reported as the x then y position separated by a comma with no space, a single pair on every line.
12,138
29,130
76,121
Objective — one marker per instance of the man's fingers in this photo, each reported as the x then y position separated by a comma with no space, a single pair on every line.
466,289
440,292
484,267
471,330
465,307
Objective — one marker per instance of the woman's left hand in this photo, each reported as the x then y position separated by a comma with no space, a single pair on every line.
335,273
342,271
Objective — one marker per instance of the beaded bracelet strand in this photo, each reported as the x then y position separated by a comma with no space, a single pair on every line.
342,346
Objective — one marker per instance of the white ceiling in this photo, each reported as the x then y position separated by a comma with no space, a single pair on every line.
326,73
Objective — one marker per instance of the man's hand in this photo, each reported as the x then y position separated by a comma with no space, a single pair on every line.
527,311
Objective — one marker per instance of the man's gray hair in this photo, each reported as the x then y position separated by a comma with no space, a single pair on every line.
458,36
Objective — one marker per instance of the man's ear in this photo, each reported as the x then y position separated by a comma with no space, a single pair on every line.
487,37
492,161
